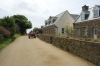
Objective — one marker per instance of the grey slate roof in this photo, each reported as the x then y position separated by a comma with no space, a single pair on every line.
91,15
74,16
58,18
98,6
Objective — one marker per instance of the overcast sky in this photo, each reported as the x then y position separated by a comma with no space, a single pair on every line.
37,11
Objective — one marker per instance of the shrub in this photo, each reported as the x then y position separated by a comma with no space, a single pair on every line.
59,34
81,39
95,40
87,39
4,32
67,37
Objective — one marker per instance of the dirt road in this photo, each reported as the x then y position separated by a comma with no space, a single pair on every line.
34,52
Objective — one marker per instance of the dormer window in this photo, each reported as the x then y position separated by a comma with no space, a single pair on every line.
49,22
96,11
85,13
84,16
45,23
54,20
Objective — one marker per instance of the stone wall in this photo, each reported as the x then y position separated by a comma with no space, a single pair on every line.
49,30
45,38
87,50
90,25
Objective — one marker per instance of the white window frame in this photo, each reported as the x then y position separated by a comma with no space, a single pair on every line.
53,20
96,13
49,22
78,31
82,16
45,23
85,31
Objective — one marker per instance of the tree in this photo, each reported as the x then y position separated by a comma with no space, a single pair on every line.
16,24
9,24
70,30
0,22
38,30
22,23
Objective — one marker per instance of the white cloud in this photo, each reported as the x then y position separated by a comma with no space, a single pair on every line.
37,11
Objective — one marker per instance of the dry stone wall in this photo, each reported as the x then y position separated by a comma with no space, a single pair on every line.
87,50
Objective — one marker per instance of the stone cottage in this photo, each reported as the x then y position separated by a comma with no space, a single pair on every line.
88,23
56,24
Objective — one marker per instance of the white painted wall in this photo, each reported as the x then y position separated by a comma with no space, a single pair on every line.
63,21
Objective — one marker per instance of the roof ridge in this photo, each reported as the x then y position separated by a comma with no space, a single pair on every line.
73,14
63,14
76,19
59,17
97,5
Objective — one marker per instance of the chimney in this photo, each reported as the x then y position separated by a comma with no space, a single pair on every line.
85,8
50,17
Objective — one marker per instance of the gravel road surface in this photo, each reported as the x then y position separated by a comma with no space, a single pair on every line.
34,52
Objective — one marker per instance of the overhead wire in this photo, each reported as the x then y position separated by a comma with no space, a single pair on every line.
49,4
39,7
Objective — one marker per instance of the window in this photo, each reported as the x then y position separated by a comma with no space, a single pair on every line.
78,31
54,20
94,30
45,23
62,30
96,13
85,31
84,16
49,22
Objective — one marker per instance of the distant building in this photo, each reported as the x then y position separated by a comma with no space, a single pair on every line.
56,24
88,23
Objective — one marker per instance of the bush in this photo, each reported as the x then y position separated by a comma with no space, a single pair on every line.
87,39
16,35
1,37
5,32
95,40
13,38
81,39
67,37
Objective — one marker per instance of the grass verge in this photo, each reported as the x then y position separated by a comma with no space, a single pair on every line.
7,41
